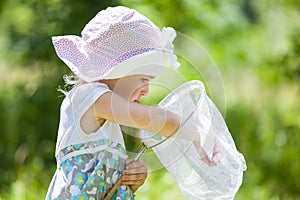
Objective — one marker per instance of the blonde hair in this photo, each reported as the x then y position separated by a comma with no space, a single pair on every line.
70,81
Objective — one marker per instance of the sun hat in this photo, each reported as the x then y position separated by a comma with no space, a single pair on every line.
117,42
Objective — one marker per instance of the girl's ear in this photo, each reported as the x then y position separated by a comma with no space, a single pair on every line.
70,50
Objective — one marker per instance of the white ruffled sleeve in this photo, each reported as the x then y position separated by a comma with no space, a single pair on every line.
85,95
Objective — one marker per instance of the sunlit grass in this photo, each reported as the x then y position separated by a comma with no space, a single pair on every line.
159,185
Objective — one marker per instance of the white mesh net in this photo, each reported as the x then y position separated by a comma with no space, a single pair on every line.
202,155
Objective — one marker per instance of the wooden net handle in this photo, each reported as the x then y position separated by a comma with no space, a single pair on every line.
113,189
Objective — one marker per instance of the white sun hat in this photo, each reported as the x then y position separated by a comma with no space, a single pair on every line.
117,42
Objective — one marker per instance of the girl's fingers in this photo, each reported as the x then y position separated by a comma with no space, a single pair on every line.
133,178
140,170
133,181
134,174
135,167
134,164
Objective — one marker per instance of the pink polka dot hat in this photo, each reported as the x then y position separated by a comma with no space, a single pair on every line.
117,42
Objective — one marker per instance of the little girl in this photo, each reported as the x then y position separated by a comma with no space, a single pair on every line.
119,52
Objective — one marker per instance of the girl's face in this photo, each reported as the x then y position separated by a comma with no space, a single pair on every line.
131,88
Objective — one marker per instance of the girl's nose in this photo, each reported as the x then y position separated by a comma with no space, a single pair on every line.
145,90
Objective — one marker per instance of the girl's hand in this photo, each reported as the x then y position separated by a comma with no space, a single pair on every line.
135,174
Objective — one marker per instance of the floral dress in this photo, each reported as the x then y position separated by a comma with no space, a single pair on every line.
88,165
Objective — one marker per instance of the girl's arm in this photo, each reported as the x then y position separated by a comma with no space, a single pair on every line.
114,108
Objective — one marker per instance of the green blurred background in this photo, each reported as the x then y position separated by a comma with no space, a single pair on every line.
255,44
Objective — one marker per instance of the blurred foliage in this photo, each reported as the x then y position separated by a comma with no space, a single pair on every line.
255,44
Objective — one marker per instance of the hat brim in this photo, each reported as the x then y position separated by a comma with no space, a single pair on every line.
150,63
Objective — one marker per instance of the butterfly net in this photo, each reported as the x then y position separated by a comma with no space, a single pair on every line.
201,155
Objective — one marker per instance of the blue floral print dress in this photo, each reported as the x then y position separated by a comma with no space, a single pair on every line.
88,165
